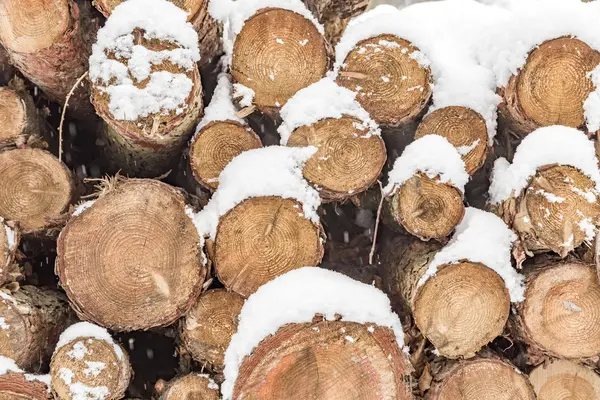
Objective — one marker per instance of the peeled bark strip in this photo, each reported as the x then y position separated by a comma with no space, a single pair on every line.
49,41
18,118
133,260
560,316
262,238
481,379
427,208
20,386
464,128
346,163
335,15
552,86
277,53
439,305
304,361
391,85
9,244
36,189
207,329
192,386
562,379
32,320
215,145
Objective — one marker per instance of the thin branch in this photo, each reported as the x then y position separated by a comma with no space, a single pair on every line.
64,111
376,224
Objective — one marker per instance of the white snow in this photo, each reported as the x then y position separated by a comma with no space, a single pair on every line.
321,100
588,228
296,297
484,238
87,330
221,106
3,325
551,197
79,351
8,365
6,297
211,384
464,150
545,146
11,237
569,305
165,91
80,391
591,106
94,368
432,155
82,207
244,93
269,171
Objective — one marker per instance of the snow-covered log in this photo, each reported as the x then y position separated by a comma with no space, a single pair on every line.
192,386
18,117
16,384
561,379
132,259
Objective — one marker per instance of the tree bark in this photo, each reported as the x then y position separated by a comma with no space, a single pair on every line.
566,380
9,244
17,385
192,386
19,117
335,15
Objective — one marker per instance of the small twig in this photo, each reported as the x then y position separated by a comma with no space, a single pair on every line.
376,224
64,111
355,75
244,112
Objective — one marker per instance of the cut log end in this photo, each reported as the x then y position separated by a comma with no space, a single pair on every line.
303,361
277,53
89,365
561,312
192,386
483,379
426,208
440,305
133,260
395,88
562,379
209,326
215,145
348,160
36,188
262,238
19,386
464,128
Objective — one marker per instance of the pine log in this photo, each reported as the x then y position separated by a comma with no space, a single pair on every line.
335,15
208,327
21,386
439,306
36,189
277,53
262,238
551,88
325,360
49,41
32,319
192,386
561,379
9,244
132,260
18,117
405,93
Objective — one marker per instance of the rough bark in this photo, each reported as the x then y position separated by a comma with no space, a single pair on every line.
18,386
9,244
192,386
133,260
19,117
33,318
561,379
335,15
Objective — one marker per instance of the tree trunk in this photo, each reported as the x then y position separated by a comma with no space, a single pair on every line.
302,361
335,15
36,190
18,117
561,379
276,238
192,386
438,305
17,385
32,319
50,44
9,244
207,328
133,259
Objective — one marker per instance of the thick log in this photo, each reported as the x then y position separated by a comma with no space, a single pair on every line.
19,118
192,386
562,379
18,385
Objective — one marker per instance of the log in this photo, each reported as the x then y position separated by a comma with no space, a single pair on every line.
192,386
50,42
36,189
87,364
562,379
18,117
551,88
206,330
335,15
302,361
9,244
133,259
391,85
18,385
464,128
32,320
480,379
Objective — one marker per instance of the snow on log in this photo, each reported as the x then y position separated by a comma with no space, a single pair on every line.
549,193
335,15
426,186
36,189
562,379
481,379
192,386
18,117
132,259
351,153
31,320
9,244
146,85
561,312
472,272
207,328
220,136
49,41
297,332
263,218
88,364
209,40
274,48
16,384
